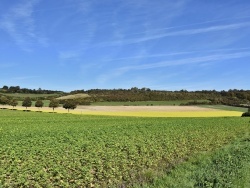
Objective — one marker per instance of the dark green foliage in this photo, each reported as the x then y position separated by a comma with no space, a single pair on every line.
39,104
195,102
230,97
4,100
224,167
13,102
27,102
5,87
78,101
82,101
18,89
246,114
227,167
70,104
54,104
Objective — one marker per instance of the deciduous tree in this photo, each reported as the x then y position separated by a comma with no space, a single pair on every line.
39,104
4,100
13,103
54,104
70,104
27,102
5,87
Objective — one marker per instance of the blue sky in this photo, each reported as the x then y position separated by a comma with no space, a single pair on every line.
162,44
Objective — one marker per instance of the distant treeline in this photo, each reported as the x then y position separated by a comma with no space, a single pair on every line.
17,89
231,97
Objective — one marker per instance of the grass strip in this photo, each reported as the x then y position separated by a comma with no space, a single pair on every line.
227,167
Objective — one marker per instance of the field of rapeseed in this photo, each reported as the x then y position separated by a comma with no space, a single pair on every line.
219,113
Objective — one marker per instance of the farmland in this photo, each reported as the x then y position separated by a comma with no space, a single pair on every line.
139,111
66,150
224,107
145,103
228,166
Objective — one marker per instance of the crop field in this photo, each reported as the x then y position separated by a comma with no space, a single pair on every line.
66,150
224,107
139,111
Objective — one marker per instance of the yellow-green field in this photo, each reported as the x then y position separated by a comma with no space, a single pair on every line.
198,112
164,114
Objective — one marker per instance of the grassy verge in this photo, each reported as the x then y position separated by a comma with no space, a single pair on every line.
224,107
227,167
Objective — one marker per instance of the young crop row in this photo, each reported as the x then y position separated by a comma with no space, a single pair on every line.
49,150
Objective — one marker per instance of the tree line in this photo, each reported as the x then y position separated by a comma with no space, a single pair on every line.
27,102
18,89
232,97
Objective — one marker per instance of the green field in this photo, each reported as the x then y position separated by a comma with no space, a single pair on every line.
145,103
226,167
224,107
65,150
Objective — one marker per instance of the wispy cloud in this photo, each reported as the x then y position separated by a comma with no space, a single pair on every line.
202,61
25,77
194,24
19,24
148,56
188,61
178,33
144,56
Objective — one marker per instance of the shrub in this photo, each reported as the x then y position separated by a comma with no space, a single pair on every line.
246,114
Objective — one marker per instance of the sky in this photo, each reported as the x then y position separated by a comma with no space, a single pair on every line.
88,44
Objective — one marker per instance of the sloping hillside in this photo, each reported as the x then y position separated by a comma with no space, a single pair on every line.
75,96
